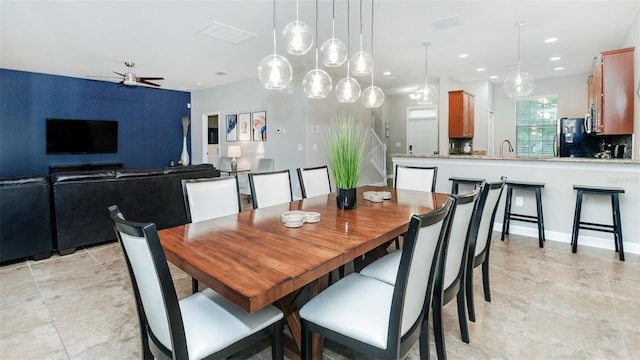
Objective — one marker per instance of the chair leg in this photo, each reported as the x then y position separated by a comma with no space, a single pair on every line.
462,315
576,223
438,327
306,348
277,343
194,285
617,225
424,337
469,292
541,238
507,213
485,279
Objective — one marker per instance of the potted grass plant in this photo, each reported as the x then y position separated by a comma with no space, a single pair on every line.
345,142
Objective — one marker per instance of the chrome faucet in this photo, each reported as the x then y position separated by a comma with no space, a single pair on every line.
502,146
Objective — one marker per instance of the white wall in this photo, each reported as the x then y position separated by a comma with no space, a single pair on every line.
290,111
285,110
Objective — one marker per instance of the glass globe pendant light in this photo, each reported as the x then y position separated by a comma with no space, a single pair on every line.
361,61
297,36
274,71
372,96
428,94
348,89
317,83
333,53
519,83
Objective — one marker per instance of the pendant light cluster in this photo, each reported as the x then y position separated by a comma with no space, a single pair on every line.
519,83
274,71
428,94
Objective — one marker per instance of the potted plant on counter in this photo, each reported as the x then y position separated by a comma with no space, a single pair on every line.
345,141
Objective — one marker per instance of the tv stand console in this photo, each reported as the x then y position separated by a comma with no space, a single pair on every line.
85,167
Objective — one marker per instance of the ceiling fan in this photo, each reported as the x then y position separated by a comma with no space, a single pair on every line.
129,78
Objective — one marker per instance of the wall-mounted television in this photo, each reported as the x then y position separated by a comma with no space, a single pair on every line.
69,136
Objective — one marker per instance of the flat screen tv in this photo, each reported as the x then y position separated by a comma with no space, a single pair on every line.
67,136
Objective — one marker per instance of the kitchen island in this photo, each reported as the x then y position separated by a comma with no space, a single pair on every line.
558,196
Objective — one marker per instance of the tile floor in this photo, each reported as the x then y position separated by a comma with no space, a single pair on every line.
547,304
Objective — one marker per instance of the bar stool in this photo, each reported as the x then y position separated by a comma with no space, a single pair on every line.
508,215
455,181
616,228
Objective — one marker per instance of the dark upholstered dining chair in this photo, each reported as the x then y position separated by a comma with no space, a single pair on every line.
202,325
270,188
210,198
480,246
314,181
376,318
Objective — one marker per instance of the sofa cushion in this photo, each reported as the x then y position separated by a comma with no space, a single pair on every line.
83,176
23,180
137,173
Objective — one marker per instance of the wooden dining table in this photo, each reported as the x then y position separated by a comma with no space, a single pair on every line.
254,260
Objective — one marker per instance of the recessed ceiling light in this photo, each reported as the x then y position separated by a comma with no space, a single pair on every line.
559,68
551,40
555,58
386,73
493,77
480,69
462,56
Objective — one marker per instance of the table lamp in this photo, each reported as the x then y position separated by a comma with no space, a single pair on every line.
234,152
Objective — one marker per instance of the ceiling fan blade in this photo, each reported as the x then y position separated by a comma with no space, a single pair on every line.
142,81
150,78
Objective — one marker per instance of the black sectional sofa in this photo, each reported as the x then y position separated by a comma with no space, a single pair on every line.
25,218
69,209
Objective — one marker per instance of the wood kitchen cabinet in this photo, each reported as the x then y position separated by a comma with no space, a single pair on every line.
461,114
610,91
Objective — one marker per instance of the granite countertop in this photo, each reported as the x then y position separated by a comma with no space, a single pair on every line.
554,159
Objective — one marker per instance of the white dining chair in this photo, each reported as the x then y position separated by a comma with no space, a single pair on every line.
392,318
449,279
202,325
264,165
314,181
270,188
480,246
415,178
210,198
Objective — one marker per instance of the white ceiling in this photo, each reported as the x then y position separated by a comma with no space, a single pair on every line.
91,39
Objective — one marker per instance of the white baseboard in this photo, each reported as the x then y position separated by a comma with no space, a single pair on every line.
591,241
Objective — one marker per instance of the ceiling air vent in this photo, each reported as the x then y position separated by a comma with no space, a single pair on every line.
227,33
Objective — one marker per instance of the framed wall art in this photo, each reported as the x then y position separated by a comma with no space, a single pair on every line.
259,126
232,128
244,127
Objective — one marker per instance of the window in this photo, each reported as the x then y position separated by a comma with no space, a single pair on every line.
536,124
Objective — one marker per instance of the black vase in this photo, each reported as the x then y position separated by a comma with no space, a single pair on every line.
346,198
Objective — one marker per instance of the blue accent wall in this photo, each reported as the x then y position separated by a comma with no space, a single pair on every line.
149,129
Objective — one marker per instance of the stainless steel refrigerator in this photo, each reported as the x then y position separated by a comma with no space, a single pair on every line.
574,141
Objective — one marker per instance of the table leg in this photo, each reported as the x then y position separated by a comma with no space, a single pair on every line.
292,317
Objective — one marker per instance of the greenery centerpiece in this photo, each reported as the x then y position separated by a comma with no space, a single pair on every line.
345,142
